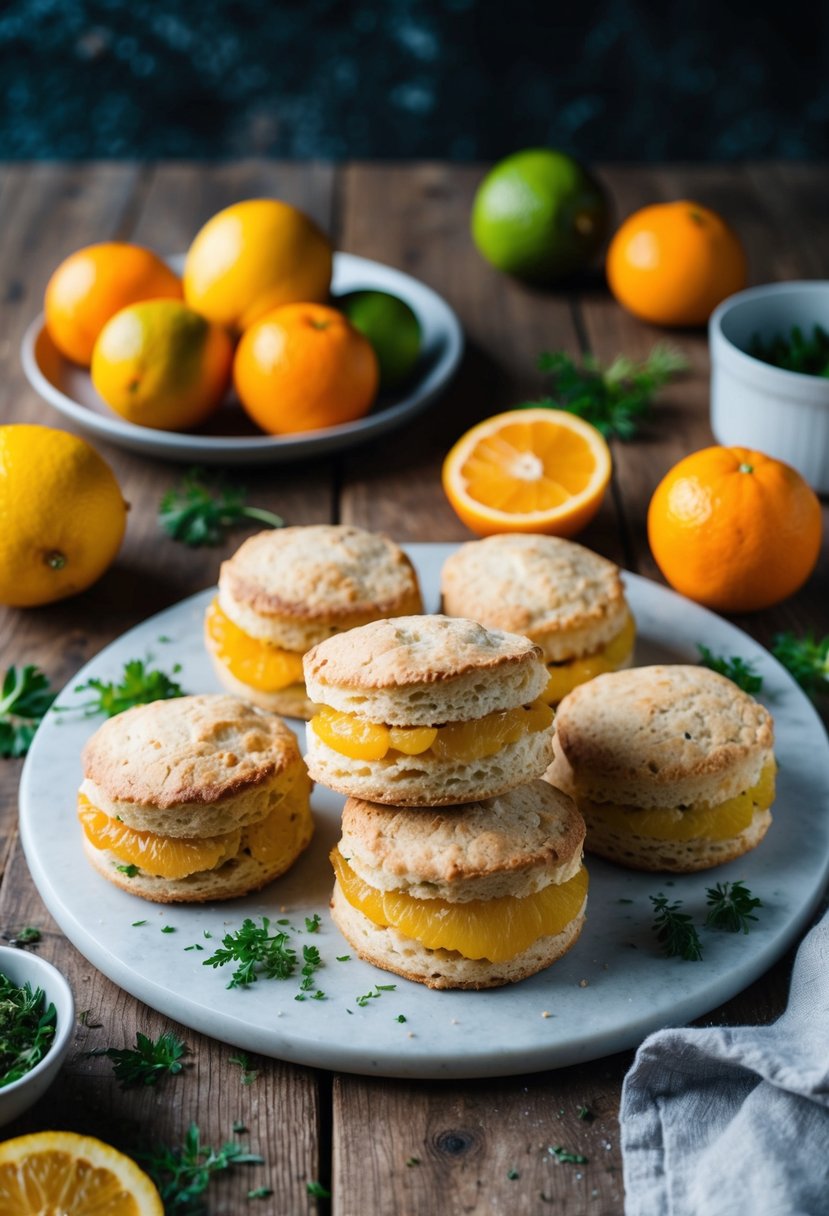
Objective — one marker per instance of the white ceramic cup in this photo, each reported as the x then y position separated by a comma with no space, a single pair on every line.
753,404
21,966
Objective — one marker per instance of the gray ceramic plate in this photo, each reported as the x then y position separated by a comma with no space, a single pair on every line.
229,437
612,989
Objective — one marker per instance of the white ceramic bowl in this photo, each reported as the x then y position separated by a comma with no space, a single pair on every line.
753,404
21,967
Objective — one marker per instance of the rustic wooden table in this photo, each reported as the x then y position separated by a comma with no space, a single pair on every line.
381,1146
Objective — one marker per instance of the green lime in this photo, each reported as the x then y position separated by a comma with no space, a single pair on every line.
539,215
390,326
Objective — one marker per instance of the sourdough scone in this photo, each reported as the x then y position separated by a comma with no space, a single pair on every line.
426,711
287,589
193,799
472,896
671,766
565,598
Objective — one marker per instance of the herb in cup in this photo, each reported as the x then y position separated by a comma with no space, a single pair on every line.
795,352
27,1029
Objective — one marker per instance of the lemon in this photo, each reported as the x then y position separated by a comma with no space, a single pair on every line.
392,329
62,1172
538,214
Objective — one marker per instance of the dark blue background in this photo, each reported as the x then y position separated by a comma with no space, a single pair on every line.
463,79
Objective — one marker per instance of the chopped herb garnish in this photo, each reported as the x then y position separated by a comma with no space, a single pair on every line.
586,1114
566,1157
738,670
400,1017
379,989
182,1175
201,509
257,951
148,1061
731,906
136,923
412,1161
343,958
196,946
513,1174
674,930
207,935
129,870
27,1028
794,352
261,1192
317,1191
238,1126
312,923
616,399
24,699
168,929
28,936
139,685
806,659
249,1074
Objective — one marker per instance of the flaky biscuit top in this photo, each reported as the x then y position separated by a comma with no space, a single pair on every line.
566,598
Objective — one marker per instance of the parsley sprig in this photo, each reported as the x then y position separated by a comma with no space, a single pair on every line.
616,399
182,1175
730,907
24,699
806,658
27,1028
256,951
139,685
148,1061
675,930
200,510
740,671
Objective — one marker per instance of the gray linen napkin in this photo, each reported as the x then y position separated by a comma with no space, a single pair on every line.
734,1121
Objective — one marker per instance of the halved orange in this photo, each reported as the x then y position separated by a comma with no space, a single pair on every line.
530,470
64,1172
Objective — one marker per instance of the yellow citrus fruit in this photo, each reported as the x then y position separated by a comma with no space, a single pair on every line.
94,283
533,470
62,516
62,1172
253,257
163,365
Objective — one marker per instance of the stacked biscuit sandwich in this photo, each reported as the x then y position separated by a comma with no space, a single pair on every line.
458,867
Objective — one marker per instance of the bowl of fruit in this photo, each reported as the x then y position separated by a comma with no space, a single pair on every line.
770,374
260,344
37,1018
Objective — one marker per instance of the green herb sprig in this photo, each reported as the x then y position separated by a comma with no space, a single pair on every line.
139,685
242,1059
566,1157
201,510
730,907
617,399
148,1061
182,1175
738,670
27,1029
256,951
675,930
806,658
24,699
794,351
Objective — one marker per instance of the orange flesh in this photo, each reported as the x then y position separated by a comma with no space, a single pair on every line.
528,466
54,1181
495,929
718,822
564,677
360,740
277,838
256,663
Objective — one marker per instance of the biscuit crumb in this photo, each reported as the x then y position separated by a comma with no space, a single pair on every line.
546,1013
410,1034
584,983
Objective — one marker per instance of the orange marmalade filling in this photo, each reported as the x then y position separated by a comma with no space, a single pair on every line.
275,841
361,740
564,677
709,821
256,663
494,929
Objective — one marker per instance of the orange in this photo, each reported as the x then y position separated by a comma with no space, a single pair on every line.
253,257
161,364
62,516
532,470
734,529
303,367
62,1172
672,263
90,286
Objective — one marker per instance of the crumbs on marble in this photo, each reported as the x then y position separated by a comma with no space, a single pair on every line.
584,983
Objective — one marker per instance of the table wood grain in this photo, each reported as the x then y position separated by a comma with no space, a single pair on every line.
381,1146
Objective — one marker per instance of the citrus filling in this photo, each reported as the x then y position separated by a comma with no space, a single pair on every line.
466,741
708,821
564,677
274,841
254,662
494,929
